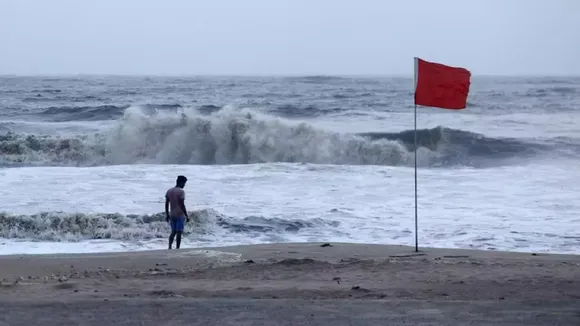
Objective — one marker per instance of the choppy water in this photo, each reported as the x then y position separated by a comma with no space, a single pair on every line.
85,162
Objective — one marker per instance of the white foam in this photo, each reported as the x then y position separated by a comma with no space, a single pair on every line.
462,208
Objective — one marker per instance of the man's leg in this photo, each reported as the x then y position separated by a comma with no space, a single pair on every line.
178,242
171,237
173,232
179,225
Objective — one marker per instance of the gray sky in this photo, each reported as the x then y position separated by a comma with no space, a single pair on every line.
266,37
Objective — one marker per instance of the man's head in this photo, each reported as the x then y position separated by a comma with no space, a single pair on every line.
181,180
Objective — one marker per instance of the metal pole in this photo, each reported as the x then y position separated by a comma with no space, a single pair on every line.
416,210
416,68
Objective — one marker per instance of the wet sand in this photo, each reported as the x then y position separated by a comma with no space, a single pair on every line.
292,284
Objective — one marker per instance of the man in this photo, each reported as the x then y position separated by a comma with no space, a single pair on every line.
175,212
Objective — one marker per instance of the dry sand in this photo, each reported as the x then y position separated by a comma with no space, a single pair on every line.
292,284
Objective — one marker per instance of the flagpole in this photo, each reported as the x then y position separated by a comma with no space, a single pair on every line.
415,147
433,94
416,210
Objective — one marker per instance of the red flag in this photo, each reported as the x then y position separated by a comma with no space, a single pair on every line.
441,86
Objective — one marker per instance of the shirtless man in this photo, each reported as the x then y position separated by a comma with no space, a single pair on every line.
175,211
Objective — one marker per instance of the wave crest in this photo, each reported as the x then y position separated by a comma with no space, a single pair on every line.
232,136
56,226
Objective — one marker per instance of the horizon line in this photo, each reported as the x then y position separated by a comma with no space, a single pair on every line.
190,75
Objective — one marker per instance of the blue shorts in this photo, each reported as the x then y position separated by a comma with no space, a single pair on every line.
177,224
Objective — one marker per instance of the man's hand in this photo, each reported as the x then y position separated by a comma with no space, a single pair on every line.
166,208
187,218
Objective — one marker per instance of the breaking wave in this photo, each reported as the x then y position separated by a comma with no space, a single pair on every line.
232,136
55,226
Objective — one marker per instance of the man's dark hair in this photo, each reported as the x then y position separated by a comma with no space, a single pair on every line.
181,179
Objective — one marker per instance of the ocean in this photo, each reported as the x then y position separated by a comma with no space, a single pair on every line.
85,162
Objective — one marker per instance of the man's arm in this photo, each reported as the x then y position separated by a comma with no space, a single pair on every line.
166,208
182,205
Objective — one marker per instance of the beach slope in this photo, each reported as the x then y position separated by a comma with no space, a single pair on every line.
292,284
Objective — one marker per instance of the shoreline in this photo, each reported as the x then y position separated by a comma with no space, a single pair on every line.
268,277
237,247
300,258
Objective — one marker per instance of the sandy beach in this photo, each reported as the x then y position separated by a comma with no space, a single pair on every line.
274,284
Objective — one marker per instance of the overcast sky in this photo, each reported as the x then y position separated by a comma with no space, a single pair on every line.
266,37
